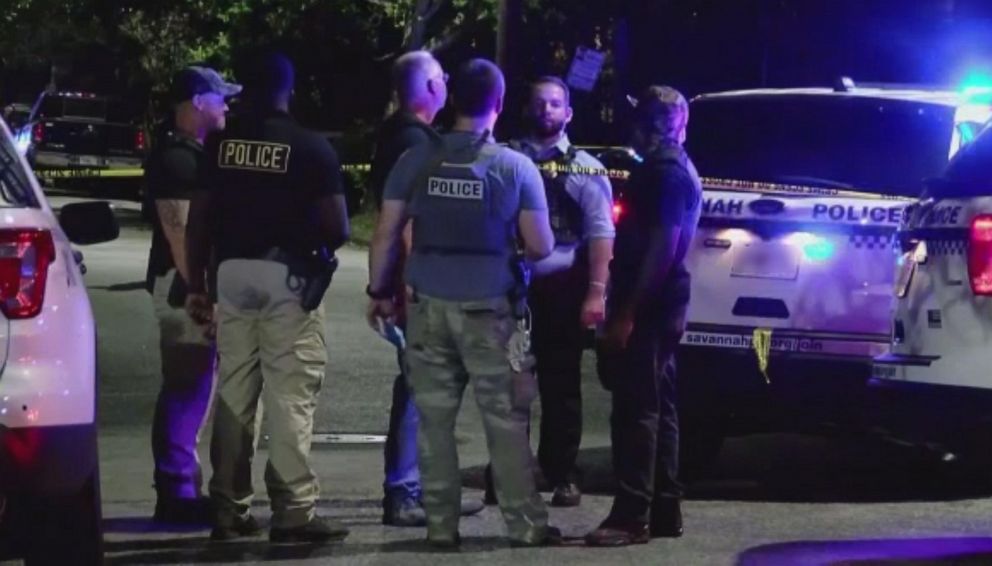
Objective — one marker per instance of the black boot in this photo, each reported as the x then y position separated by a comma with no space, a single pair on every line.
666,517
490,497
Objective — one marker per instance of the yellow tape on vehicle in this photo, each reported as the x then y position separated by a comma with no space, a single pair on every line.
83,173
762,344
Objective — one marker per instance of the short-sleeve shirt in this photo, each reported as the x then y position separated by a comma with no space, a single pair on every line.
265,173
172,172
593,193
661,192
465,277
398,133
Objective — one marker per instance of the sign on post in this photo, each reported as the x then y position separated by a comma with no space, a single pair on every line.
585,69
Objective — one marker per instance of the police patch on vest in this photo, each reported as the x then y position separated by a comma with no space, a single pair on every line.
258,156
468,189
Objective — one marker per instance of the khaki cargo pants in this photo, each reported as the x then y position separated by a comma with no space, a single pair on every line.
448,344
268,346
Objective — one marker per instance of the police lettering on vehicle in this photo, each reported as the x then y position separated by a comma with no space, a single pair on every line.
469,189
263,157
730,207
842,213
942,215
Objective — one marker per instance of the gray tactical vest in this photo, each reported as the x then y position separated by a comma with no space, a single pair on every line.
456,206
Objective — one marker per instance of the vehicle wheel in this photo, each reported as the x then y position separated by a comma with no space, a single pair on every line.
699,447
702,414
69,528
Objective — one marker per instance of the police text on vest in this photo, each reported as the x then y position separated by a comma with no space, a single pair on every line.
254,156
470,189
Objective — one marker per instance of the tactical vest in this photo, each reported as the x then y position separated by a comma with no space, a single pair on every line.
564,212
458,209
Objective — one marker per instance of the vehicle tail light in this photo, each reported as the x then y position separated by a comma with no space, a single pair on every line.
980,255
24,259
617,212
139,140
38,133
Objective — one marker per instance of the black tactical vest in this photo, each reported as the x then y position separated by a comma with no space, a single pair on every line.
564,212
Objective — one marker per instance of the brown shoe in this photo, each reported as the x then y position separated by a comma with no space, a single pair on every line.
566,494
613,534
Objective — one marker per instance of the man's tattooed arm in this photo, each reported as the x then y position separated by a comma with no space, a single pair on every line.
172,215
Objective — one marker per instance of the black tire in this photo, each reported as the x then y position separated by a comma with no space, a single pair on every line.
700,444
703,412
70,528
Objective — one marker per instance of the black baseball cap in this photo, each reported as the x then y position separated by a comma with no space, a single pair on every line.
195,80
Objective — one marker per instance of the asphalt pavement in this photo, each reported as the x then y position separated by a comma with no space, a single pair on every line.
774,499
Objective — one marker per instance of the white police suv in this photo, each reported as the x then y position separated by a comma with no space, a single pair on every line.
792,267
49,480
941,340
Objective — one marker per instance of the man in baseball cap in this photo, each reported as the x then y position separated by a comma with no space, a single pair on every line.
203,89
172,171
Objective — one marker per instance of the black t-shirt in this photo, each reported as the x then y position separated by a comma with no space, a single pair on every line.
172,172
265,173
663,191
398,133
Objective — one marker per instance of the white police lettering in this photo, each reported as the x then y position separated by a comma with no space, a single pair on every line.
942,215
254,156
873,214
720,206
469,189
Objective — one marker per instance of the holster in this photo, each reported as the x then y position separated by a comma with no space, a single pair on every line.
322,267
316,272
521,282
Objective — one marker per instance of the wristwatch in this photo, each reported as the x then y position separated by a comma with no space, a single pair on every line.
377,295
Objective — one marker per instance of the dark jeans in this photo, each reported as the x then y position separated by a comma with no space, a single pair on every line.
644,422
558,341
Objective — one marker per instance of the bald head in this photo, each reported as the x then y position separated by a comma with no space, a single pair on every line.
419,82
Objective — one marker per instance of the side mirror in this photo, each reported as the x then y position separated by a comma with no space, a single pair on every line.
89,222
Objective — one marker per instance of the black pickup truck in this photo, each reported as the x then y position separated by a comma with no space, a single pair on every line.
83,133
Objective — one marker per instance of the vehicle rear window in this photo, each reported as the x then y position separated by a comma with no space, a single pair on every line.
15,190
969,173
884,146
60,106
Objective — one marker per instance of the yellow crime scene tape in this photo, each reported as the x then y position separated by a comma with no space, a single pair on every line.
734,185
789,189
83,173
762,343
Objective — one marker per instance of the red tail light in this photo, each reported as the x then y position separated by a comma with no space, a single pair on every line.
38,133
980,255
139,140
617,212
24,259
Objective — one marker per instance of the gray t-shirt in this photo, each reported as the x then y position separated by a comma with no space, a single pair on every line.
466,277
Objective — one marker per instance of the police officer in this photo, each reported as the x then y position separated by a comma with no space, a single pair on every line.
421,91
569,288
646,308
271,197
187,351
469,199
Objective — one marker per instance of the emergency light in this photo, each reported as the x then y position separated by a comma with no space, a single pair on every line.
980,254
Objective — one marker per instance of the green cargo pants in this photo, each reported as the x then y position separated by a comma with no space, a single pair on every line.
265,338
448,344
